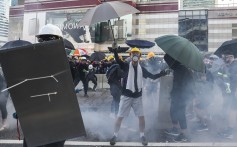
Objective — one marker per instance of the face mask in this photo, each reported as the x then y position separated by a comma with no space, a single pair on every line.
135,58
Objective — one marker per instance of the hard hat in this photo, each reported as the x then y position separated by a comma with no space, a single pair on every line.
150,55
135,50
110,57
83,58
50,29
90,66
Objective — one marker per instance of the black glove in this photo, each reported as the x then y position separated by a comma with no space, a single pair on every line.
163,73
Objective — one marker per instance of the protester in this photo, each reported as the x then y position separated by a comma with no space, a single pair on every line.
90,76
181,92
204,93
114,75
3,102
132,92
47,33
230,99
82,68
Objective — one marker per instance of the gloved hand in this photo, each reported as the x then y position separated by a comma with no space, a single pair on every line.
163,73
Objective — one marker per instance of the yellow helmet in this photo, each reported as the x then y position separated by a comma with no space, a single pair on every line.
135,50
110,57
150,55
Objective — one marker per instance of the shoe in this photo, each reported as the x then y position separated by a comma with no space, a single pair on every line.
85,95
226,134
181,138
173,131
77,90
143,140
4,128
194,119
113,140
201,127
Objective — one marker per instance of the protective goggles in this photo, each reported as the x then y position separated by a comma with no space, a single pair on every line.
47,38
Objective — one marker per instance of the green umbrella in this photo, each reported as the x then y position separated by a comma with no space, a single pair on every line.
182,50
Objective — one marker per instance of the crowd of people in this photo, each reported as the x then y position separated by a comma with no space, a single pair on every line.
191,92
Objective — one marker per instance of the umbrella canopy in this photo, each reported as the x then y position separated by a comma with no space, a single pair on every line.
119,50
182,50
227,46
140,43
78,52
68,44
107,11
15,43
97,56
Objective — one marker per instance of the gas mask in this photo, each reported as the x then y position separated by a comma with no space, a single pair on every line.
135,57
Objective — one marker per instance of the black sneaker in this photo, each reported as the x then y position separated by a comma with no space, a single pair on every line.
113,140
143,140
181,138
173,131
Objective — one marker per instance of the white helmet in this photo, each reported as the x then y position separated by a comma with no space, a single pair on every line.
50,29
90,66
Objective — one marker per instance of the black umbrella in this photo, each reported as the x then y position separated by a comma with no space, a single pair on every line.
140,43
97,56
15,43
68,44
227,46
119,50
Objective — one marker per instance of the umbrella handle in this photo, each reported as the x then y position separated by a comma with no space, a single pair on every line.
111,29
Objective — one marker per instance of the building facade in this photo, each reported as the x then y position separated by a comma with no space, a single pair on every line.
207,28
4,21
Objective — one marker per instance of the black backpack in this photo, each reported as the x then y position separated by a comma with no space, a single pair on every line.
114,73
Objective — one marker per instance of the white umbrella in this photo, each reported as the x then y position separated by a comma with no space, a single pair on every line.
107,11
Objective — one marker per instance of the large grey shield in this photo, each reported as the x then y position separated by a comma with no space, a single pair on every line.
41,87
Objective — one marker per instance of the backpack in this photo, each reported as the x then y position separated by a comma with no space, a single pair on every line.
114,73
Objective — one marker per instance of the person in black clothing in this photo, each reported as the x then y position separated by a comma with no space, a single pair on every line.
230,99
82,68
114,75
43,36
182,90
132,92
90,76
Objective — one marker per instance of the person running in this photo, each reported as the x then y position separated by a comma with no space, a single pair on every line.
132,92
90,76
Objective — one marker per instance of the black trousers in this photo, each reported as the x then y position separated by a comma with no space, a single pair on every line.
177,112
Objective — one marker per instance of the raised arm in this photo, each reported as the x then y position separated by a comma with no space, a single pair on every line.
147,74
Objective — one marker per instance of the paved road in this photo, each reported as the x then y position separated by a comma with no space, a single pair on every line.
99,124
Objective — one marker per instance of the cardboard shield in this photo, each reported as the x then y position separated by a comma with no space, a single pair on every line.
40,83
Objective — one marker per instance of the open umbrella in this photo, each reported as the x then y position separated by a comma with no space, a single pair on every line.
79,52
15,43
140,43
119,50
227,46
181,50
107,11
97,56
68,44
